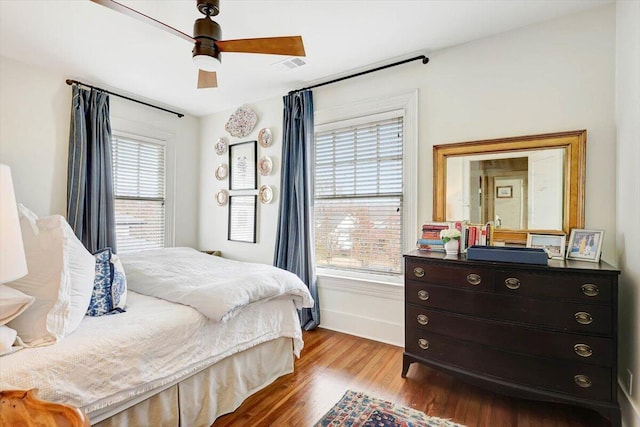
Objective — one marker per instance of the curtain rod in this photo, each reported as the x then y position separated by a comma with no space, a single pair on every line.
424,59
70,82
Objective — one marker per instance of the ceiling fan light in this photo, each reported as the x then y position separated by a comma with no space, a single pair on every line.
206,62
206,55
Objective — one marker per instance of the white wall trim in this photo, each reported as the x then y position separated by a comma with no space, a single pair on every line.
362,326
630,411
144,132
408,104
387,327
368,292
362,287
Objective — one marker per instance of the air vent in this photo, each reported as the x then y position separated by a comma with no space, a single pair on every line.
289,64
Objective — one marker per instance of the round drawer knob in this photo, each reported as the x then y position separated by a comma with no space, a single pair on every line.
583,350
512,283
423,319
583,318
474,279
423,344
418,271
590,290
582,381
423,295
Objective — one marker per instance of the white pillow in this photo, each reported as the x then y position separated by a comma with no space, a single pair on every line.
7,338
61,273
12,303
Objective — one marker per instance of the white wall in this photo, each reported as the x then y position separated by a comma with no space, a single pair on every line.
34,135
628,200
550,77
34,139
510,209
213,218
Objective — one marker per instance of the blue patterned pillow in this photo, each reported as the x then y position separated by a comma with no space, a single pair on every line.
118,284
109,286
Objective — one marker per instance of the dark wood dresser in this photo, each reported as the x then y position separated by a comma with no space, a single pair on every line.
538,332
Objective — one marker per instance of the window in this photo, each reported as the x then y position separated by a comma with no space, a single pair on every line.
139,187
358,211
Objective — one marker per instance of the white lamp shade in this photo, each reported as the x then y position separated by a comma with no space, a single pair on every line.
13,264
206,62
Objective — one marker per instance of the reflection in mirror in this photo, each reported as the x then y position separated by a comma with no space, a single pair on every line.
516,191
522,184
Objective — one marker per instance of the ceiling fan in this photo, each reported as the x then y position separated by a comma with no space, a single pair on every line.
206,38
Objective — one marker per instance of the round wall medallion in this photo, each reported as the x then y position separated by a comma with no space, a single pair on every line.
221,171
242,122
221,146
265,194
221,197
265,166
265,138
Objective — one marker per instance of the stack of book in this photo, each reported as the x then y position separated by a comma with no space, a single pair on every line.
470,235
430,240
476,235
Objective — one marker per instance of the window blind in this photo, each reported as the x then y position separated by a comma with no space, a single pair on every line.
139,187
358,196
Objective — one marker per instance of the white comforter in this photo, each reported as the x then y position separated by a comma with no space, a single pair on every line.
216,287
111,359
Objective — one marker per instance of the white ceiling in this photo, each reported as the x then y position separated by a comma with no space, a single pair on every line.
88,42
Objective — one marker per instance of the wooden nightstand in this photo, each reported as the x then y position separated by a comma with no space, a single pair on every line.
214,253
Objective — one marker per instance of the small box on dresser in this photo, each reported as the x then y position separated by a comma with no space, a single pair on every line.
538,332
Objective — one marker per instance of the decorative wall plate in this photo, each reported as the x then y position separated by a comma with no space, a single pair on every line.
265,194
222,171
265,166
221,197
221,146
265,138
242,122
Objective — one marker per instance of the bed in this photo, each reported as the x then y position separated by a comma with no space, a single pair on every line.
199,335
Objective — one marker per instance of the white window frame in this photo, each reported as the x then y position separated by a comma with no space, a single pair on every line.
165,140
344,115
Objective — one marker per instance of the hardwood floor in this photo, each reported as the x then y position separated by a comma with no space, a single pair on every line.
332,362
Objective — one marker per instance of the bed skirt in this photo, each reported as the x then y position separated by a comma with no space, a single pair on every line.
208,394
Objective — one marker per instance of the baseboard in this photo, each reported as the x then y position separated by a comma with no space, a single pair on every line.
364,327
630,411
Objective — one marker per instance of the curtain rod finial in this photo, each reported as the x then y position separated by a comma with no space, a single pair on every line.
425,60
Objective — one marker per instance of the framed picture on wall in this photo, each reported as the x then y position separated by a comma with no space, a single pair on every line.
504,191
242,166
553,245
585,245
242,218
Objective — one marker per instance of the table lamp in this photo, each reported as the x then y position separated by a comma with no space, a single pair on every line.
13,264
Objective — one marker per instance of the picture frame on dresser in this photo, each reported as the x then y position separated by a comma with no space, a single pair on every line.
553,244
585,245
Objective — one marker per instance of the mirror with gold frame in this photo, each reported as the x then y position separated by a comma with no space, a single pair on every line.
525,184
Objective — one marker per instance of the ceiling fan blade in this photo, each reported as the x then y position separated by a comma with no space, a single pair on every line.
291,45
207,79
114,5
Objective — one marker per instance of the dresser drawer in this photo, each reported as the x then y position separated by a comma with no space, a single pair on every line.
580,287
471,277
507,336
576,379
566,316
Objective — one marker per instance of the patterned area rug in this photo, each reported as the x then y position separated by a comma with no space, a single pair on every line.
359,410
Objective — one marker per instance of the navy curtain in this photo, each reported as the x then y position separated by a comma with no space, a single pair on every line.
294,239
90,205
